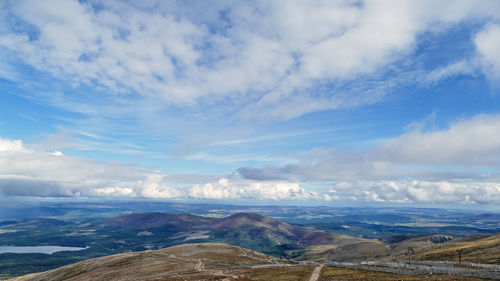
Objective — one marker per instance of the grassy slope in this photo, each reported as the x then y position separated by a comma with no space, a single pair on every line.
477,248
206,262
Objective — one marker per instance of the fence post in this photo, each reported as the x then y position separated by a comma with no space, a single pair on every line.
460,256
410,251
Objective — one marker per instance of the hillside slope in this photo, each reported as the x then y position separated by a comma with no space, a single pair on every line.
482,248
210,261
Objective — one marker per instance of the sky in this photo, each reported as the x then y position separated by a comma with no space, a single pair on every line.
251,101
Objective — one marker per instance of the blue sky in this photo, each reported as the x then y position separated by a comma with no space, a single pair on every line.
296,101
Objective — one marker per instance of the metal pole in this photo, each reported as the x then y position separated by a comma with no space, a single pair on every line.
409,256
460,256
410,251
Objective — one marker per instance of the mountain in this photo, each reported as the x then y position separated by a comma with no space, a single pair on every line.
34,222
264,234
243,229
251,220
156,220
183,222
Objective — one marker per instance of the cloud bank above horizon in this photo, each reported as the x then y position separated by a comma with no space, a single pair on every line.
380,101
403,169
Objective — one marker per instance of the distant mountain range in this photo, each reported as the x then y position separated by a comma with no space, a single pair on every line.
243,229
272,236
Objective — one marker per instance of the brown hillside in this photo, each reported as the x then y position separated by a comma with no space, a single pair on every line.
483,248
208,261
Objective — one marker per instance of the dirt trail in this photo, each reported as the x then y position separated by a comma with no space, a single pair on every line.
316,273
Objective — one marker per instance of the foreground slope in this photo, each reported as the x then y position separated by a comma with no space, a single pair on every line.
209,261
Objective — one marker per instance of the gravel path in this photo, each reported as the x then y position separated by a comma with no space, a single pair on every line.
316,273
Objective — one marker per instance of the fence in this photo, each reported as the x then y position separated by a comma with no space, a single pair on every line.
421,268
491,267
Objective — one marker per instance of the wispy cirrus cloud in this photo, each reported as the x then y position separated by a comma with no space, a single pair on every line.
268,56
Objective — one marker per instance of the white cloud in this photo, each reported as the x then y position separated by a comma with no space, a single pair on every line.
472,142
114,191
487,46
12,145
257,59
29,172
456,164
458,68
151,187
469,143
16,159
57,153
223,189
269,55
421,191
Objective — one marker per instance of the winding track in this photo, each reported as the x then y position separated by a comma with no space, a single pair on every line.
316,273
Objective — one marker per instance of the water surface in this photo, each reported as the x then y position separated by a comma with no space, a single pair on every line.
37,249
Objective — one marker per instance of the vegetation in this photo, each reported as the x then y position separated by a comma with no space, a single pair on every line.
152,230
210,262
476,249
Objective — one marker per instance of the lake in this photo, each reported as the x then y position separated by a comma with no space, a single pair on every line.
37,249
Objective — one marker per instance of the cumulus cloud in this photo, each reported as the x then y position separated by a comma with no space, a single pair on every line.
29,172
151,187
468,143
224,189
12,145
419,166
269,55
419,191
115,191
